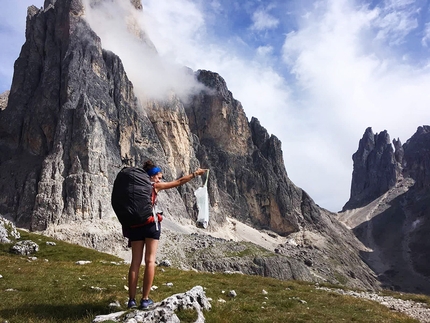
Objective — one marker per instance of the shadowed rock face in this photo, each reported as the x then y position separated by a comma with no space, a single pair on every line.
396,223
247,163
417,157
375,169
417,166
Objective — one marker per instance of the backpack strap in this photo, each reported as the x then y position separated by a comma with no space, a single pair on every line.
153,200
153,195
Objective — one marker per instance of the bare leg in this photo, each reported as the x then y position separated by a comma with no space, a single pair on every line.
133,272
148,277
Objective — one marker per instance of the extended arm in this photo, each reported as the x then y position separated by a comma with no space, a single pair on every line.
178,182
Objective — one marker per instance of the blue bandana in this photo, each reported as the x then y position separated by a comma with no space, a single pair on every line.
154,171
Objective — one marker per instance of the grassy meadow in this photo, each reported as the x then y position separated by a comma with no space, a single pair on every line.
53,288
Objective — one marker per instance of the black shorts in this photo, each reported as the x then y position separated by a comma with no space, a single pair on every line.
146,231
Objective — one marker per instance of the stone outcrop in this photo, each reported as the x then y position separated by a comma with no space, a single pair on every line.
8,231
416,161
164,311
3,100
375,169
25,247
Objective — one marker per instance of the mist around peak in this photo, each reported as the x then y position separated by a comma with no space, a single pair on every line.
120,28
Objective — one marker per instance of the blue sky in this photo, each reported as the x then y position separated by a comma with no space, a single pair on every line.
315,73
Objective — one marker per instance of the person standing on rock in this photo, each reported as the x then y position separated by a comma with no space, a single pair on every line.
146,238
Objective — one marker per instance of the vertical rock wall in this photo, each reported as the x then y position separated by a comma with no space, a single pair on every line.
375,169
249,175
72,121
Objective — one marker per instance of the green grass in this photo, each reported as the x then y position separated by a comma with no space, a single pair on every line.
58,290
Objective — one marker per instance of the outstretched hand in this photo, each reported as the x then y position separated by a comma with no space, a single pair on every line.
200,171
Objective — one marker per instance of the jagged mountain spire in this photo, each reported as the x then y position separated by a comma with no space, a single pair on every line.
375,169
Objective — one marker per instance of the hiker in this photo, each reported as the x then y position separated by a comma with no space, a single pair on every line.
149,235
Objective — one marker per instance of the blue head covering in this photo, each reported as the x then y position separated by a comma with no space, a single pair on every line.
153,171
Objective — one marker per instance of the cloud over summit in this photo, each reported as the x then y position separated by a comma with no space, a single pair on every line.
121,29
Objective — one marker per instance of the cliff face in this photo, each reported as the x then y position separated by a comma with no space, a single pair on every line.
375,169
249,175
72,121
395,222
416,160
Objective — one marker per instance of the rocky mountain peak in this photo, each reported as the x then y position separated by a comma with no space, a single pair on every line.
375,169
392,220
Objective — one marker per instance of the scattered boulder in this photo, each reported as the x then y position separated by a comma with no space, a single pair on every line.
26,247
83,262
164,311
165,263
8,231
114,305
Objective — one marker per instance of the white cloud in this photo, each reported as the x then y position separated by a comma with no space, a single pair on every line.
396,20
264,51
263,21
348,87
426,37
118,25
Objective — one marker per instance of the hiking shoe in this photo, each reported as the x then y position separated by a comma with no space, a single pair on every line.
131,303
146,303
